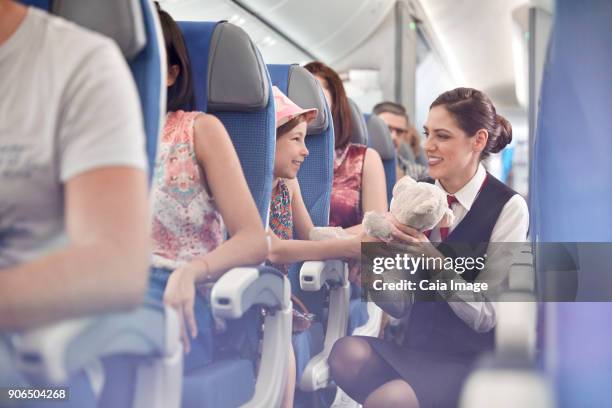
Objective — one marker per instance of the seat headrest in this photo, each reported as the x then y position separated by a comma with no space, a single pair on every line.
305,90
379,137
358,125
237,74
121,20
228,70
42,4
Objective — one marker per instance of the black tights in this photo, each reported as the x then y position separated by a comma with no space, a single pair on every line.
366,377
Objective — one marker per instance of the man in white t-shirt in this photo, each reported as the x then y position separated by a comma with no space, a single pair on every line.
74,225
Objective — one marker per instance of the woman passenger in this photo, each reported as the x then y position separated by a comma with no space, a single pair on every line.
199,192
443,339
359,176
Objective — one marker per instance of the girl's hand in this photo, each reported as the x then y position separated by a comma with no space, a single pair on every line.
180,294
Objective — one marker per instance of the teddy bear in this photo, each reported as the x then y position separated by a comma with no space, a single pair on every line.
419,205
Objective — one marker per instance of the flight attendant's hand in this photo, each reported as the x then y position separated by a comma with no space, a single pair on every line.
415,242
180,294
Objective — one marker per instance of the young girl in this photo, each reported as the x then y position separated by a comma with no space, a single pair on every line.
443,339
199,191
288,212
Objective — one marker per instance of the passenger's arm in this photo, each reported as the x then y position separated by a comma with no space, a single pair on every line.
103,267
217,156
373,187
287,251
301,218
293,250
373,183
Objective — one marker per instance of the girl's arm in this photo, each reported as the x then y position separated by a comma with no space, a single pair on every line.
217,156
287,251
293,250
301,218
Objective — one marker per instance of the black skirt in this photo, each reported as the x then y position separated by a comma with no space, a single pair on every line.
437,379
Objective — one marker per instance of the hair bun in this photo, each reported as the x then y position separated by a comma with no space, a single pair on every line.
503,134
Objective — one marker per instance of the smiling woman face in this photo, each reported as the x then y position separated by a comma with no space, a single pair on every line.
452,156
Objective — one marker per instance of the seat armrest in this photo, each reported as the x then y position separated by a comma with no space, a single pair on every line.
314,274
233,295
53,353
506,382
241,288
371,328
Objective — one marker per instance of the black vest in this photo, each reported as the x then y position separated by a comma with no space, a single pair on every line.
433,326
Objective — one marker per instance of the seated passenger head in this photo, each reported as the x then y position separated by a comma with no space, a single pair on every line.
291,124
463,128
180,88
396,118
336,99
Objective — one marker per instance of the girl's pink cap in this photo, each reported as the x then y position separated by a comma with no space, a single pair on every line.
286,109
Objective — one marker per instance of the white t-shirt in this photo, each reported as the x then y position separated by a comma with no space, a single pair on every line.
68,104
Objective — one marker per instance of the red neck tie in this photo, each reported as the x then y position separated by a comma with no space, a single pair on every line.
450,199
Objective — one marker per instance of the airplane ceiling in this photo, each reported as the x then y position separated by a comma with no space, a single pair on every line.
472,37
475,38
329,29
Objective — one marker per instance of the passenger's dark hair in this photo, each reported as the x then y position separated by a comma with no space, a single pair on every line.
289,126
180,94
473,110
341,111
391,107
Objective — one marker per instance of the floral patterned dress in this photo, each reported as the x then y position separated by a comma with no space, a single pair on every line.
186,222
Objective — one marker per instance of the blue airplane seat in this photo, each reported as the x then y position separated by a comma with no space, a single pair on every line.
570,218
232,82
570,201
316,173
138,36
235,87
315,178
380,140
358,124
117,350
42,4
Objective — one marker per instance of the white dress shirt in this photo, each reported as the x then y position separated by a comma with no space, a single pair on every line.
476,309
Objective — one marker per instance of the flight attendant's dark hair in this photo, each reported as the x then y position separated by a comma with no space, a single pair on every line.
341,112
473,110
180,94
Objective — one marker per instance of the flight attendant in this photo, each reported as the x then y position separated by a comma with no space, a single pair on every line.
443,338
